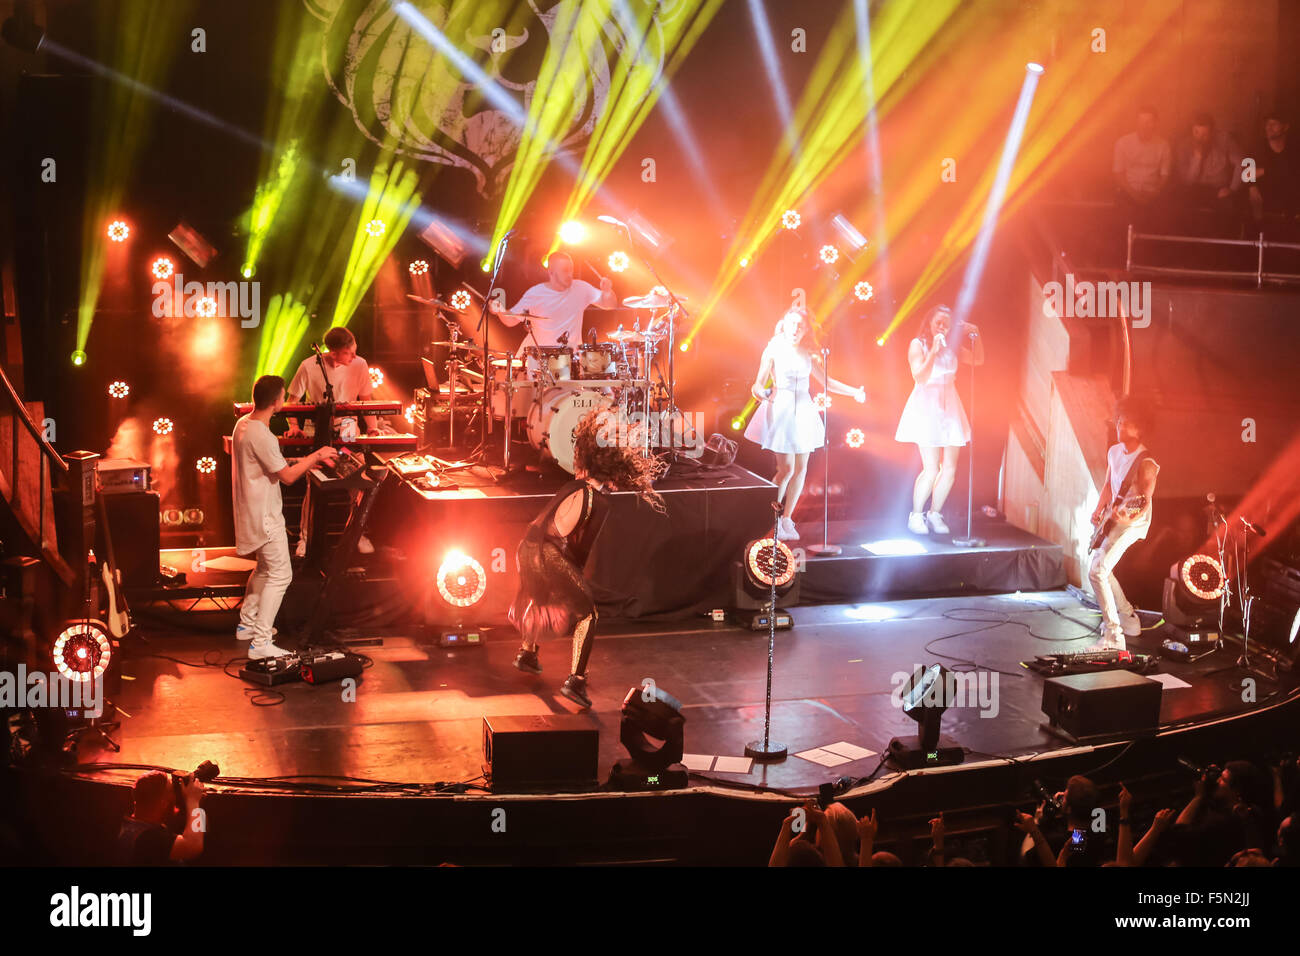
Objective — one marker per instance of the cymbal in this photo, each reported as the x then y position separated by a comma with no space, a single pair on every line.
436,303
501,363
466,346
626,336
654,299
521,316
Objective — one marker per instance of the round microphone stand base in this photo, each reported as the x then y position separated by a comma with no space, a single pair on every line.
760,750
969,542
824,550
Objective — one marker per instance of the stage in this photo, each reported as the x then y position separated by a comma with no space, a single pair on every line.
396,775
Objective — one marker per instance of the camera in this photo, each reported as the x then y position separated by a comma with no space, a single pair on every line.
206,772
1053,809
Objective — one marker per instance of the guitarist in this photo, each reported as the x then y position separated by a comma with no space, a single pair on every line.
1123,516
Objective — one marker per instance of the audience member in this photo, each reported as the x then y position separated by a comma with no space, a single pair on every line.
1141,168
1275,194
1207,179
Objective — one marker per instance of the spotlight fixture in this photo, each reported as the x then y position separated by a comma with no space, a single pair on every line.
83,651
744,262
419,267
925,698
192,516
1191,602
162,426
247,272
409,414
206,307
118,231
375,228
822,401
376,376
572,232
162,268
206,465
1203,576
118,389
855,438
651,731
78,357
863,293
829,255
461,301
619,261
686,346
765,563
172,517
790,219
461,580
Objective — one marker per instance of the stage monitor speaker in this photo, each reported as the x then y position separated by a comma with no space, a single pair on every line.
747,596
137,546
1110,702
540,752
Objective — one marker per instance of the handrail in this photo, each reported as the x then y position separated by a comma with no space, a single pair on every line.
25,417
1258,275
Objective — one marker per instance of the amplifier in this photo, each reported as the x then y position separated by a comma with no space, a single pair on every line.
133,520
1090,705
540,752
115,476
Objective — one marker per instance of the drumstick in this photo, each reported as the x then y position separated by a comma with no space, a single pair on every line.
599,277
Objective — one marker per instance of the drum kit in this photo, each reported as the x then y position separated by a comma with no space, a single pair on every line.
549,388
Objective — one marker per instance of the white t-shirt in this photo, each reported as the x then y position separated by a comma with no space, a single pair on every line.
1120,459
254,460
350,381
560,312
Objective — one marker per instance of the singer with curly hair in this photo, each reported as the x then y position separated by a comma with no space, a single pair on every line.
554,598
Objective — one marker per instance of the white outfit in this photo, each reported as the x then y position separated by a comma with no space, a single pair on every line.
259,524
558,312
1117,615
933,416
788,422
350,381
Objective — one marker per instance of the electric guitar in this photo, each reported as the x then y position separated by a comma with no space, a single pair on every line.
118,618
1120,506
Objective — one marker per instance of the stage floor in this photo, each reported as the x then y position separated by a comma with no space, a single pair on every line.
419,710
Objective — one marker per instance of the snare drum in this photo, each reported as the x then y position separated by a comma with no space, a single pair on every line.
556,359
598,361
554,417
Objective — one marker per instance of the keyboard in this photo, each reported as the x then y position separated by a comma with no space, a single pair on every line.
340,408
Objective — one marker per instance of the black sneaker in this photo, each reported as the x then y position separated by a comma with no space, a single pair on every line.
575,688
527,661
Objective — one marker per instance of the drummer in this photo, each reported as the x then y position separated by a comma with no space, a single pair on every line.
558,304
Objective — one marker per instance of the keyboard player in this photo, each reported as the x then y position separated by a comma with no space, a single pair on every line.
349,374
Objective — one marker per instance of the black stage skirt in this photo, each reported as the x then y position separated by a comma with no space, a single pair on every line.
553,595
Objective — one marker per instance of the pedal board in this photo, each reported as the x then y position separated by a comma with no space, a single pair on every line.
1091,662
271,671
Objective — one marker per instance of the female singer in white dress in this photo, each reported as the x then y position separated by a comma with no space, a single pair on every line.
787,422
934,419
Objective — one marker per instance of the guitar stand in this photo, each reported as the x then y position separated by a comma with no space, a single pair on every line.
72,739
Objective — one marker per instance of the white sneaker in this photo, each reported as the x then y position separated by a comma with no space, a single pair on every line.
916,523
364,546
300,549
936,523
265,648
246,633
1132,624
785,530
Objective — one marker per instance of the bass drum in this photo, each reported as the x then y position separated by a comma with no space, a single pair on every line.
554,417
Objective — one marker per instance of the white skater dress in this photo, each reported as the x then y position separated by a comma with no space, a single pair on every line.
933,416
788,423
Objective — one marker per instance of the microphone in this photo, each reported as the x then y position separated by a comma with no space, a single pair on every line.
1253,527
591,336
563,339
943,342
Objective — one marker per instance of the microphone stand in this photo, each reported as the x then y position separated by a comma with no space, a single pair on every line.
324,415
489,383
825,549
767,749
970,541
